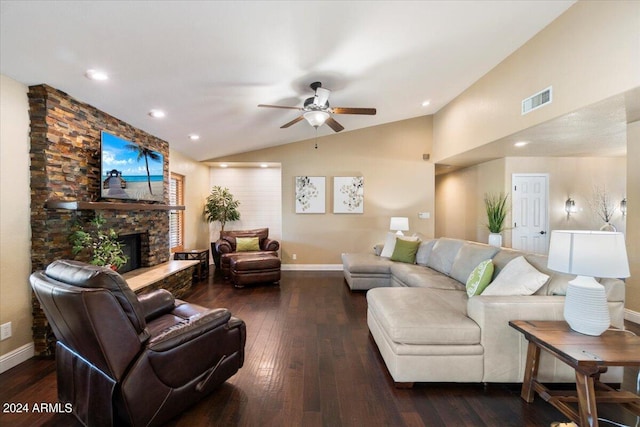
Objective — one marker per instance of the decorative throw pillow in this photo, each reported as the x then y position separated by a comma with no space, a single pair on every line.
405,251
390,243
480,278
245,244
518,277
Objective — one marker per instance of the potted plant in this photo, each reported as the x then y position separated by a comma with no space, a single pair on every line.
496,207
103,245
222,207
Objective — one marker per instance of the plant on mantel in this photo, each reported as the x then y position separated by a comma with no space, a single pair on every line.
102,244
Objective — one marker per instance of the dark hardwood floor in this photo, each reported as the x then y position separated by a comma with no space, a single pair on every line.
310,361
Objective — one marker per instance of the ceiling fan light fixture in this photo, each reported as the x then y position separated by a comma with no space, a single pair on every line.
316,118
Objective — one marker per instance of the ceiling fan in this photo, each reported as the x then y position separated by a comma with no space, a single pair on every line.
316,110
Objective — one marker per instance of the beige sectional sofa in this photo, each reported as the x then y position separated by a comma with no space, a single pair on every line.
428,330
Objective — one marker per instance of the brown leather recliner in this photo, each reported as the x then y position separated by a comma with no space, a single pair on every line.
123,359
226,244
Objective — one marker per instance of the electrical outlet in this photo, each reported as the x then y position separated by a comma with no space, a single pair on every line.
5,331
294,256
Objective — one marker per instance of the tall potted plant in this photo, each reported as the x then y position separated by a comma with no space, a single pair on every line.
220,206
102,245
496,207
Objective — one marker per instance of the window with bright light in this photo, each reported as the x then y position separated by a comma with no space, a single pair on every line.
176,217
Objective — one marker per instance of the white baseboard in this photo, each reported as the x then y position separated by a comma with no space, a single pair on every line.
311,267
16,357
632,316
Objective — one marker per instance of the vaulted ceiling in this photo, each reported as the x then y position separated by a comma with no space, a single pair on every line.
208,64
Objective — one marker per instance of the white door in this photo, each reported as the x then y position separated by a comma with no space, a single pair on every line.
530,213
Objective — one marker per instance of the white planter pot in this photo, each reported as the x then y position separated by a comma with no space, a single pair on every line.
495,239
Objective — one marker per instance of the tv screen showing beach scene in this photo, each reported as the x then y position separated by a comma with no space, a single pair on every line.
130,171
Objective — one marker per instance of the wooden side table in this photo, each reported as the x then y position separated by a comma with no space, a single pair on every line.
589,356
201,271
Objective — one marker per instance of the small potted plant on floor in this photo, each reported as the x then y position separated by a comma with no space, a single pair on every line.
222,207
496,207
102,244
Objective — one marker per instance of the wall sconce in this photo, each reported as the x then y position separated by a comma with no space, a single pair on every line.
623,206
570,206
399,224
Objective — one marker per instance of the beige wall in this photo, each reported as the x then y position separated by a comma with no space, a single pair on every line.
576,177
460,200
196,182
588,54
398,182
459,195
15,228
259,191
633,217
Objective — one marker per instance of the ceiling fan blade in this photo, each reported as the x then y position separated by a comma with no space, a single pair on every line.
337,127
292,122
279,106
348,110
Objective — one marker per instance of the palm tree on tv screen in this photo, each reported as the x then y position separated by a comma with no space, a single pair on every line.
147,154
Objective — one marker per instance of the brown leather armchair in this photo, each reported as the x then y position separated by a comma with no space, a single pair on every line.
226,244
123,359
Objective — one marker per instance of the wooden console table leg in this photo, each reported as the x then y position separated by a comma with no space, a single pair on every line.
530,372
586,400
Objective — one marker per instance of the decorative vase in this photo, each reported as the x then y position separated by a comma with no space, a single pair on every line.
585,306
608,227
495,239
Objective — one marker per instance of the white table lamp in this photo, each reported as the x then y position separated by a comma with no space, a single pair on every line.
588,254
399,224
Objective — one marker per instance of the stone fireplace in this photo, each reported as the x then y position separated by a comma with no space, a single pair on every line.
65,187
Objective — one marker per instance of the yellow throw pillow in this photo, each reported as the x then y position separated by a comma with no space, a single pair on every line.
245,244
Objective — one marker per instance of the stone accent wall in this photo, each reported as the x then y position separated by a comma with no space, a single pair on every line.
179,284
65,164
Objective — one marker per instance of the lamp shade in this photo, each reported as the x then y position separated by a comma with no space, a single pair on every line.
399,223
588,253
316,118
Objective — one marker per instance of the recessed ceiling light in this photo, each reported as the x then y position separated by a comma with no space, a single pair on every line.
264,165
520,144
96,75
224,165
157,114
194,137
425,103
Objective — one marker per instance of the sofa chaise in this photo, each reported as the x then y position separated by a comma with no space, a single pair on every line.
428,329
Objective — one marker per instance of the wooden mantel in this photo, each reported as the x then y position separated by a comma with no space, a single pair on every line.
76,205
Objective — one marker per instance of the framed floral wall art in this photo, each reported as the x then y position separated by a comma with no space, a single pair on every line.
310,194
348,194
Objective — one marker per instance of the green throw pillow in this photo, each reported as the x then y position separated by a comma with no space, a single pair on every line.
245,244
480,278
405,251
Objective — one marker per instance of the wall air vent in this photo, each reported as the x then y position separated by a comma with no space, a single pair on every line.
538,100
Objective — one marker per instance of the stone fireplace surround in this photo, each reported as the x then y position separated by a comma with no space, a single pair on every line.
65,165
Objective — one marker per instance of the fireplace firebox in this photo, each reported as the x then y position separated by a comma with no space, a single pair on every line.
132,248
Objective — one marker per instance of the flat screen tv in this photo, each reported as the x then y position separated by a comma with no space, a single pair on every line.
130,171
